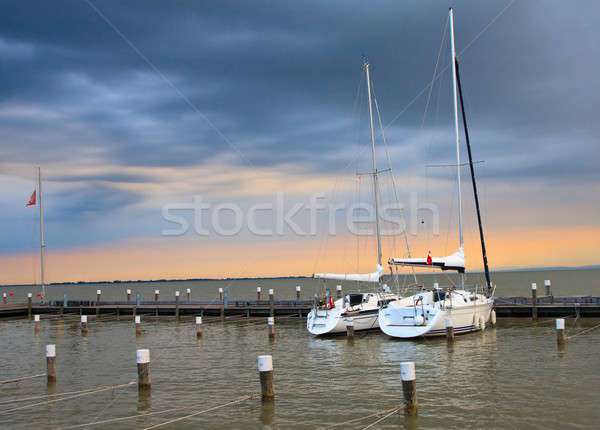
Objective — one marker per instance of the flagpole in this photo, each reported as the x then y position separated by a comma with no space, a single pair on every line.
42,237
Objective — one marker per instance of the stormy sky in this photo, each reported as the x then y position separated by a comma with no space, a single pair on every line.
131,105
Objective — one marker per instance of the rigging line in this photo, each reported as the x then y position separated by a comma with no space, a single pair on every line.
170,83
461,52
437,61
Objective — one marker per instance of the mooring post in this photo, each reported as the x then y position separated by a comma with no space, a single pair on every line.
271,327
198,327
409,387
265,371
84,326
36,324
188,291
222,301
272,301
449,330
143,367
298,292
29,304
128,296
534,311
138,325
156,296
350,329
258,291
98,295
560,331
338,291
177,305
51,363
4,299
547,286
493,318
220,294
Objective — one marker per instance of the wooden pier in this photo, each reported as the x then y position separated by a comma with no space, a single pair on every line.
511,307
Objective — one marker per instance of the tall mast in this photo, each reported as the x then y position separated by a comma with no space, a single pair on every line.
42,236
461,242
374,173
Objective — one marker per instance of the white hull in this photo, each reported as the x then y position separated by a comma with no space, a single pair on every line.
405,320
364,316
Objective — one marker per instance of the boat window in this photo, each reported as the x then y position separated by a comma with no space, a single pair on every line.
355,299
438,295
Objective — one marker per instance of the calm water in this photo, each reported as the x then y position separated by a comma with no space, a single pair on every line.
509,377
564,282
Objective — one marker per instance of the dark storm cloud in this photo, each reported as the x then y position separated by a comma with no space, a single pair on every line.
279,79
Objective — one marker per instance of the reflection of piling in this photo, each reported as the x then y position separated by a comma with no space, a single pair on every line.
534,311
560,332
143,368
265,371
138,325
449,330
271,327
51,363
98,295
84,325
258,291
177,305
272,301
298,292
198,327
37,325
409,388
350,329
338,291
29,305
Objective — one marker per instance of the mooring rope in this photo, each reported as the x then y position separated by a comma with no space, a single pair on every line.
354,420
233,402
113,387
381,419
9,381
45,396
583,332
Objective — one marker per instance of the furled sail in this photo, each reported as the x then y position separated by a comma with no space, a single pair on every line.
455,261
361,277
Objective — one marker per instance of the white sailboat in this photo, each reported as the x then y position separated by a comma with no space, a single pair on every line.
361,308
429,312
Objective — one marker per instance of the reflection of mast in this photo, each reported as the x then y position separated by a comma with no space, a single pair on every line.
374,172
42,236
457,136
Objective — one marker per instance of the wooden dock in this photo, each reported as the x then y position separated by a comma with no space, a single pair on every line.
515,307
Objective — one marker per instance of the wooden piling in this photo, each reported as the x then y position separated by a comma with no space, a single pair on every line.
177,305
265,371
258,291
29,305
222,303
409,387
534,311
350,329
198,327
188,291
51,363
156,296
338,291
98,295
449,330
128,296
37,325
138,325
560,331
271,327
4,298
272,301
143,368
84,325
298,292
547,286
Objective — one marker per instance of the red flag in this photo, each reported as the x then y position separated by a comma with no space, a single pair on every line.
32,200
429,261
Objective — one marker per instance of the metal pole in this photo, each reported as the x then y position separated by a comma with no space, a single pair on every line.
42,236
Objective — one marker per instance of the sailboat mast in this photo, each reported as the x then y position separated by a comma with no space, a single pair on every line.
374,173
42,236
457,137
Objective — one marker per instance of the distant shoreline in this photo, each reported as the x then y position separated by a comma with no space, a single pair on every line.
267,278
